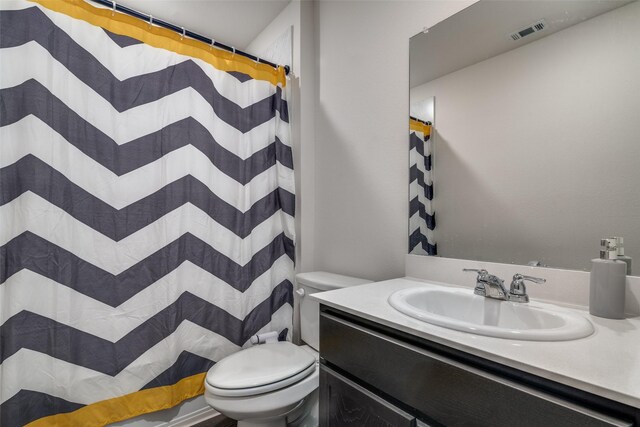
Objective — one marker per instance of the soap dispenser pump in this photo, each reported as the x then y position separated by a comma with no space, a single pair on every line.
607,282
621,255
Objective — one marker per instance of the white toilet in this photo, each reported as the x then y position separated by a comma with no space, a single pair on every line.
276,384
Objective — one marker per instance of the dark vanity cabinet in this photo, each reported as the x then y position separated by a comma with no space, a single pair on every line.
348,404
371,375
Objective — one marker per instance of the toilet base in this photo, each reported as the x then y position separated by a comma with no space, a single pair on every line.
280,422
308,414
304,415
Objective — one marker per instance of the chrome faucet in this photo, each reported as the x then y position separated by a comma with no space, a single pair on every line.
490,286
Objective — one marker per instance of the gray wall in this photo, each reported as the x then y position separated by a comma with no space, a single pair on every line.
537,150
361,148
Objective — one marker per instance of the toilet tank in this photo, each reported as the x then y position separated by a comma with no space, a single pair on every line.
310,283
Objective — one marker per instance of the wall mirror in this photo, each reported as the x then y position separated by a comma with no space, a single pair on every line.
531,153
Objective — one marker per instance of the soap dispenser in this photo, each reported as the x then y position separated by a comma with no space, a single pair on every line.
607,282
621,255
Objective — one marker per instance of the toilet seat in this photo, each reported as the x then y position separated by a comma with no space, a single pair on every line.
260,406
260,369
252,391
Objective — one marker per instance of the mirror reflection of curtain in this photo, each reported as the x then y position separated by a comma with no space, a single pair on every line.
421,215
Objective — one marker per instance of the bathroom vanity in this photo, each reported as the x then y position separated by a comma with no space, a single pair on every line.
380,367
502,152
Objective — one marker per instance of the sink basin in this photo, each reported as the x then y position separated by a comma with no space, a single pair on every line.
461,310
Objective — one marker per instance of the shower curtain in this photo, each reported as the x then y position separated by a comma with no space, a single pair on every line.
146,212
422,220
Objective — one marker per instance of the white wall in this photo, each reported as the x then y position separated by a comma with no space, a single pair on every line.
288,19
308,103
537,149
361,176
423,108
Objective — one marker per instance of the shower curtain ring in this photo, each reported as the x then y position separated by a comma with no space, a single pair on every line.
213,44
184,32
113,7
234,50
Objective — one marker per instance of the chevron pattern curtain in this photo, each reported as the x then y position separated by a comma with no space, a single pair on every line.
422,219
146,213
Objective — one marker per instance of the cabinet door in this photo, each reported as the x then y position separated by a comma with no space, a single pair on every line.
449,392
345,403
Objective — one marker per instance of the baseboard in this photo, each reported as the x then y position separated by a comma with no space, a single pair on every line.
194,417
186,414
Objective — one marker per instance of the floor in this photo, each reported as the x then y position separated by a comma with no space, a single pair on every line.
219,421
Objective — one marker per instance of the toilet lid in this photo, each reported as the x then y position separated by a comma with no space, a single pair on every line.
261,365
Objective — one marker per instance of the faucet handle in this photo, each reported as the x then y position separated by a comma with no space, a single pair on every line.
519,276
518,290
485,276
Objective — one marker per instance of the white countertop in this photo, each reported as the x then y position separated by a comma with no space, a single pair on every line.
606,363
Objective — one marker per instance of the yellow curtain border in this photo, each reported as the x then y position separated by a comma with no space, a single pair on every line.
127,406
417,126
163,38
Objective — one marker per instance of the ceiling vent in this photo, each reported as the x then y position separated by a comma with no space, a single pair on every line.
533,28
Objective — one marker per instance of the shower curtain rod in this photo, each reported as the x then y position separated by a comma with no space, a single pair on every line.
421,121
151,20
